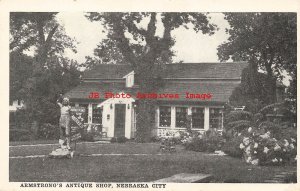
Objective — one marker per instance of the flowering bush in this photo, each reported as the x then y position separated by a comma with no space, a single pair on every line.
264,138
259,146
210,141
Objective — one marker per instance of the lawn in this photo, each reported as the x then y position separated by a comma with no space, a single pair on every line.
130,168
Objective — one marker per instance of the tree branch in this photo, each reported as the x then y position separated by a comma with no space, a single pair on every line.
40,27
123,43
50,35
151,29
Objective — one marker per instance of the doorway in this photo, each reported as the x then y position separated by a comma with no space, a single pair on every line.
120,110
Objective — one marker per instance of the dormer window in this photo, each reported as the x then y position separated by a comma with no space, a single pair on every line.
129,79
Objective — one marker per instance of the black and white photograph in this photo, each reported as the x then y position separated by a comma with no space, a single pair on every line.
143,99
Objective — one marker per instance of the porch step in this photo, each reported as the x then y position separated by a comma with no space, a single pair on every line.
102,138
187,178
102,141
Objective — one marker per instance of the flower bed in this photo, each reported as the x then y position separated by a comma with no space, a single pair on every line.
210,141
259,146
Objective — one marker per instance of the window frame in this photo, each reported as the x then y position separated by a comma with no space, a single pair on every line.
160,117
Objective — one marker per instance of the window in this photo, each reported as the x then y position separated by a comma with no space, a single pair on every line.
164,116
130,79
97,114
181,116
85,116
198,118
215,118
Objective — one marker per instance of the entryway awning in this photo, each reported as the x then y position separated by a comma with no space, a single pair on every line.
117,101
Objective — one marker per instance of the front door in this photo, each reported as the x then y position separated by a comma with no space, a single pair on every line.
120,120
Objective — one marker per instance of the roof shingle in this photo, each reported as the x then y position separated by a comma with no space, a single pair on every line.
179,70
220,90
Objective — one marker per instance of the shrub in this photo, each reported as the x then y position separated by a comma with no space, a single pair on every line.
113,140
232,147
121,139
261,140
208,142
154,139
261,147
239,115
89,137
48,131
20,135
196,144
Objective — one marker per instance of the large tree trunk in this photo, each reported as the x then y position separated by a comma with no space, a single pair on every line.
271,86
145,110
145,120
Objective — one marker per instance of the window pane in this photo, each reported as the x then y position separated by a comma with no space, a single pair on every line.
181,116
97,114
164,116
198,118
215,118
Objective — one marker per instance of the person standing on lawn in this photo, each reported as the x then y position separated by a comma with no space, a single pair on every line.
64,121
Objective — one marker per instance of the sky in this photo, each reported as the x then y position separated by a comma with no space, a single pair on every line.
189,47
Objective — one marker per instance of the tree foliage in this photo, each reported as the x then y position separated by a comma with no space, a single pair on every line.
146,51
267,40
253,92
106,52
40,31
270,38
39,78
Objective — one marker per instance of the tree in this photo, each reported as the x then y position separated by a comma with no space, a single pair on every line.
252,92
145,51
106,52
267,40
38,30
37,79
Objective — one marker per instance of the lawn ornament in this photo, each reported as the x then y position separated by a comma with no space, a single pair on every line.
71,126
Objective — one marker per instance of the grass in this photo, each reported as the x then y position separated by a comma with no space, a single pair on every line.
131,168
33,142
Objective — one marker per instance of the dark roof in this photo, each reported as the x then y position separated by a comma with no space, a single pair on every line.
108,71
205,70
220,90
83,90
179,70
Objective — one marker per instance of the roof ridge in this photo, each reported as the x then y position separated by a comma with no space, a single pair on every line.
240,62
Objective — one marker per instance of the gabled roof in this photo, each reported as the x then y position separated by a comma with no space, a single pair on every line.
83,90
220,90
108,71
173,71
228,74
205,70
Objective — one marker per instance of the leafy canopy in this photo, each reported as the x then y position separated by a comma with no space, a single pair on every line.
268,39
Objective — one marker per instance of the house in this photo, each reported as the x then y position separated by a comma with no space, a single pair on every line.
15,105
195,90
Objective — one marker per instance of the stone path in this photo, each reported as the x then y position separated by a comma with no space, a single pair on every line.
187,178
280,177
